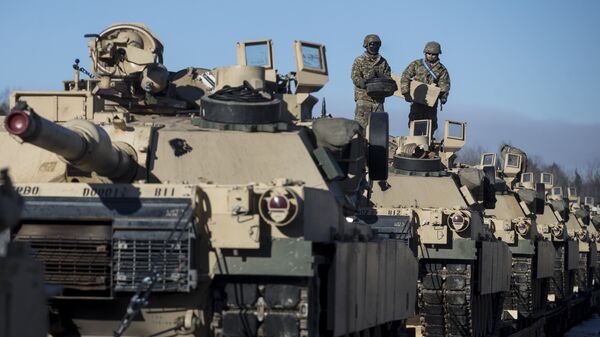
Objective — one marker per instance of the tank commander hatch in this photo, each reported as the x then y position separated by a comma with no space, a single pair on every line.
368,65
431,71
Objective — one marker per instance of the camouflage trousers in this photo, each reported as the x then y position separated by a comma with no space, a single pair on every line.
364,109
420,111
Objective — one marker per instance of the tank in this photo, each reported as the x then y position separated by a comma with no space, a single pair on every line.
594,229
203,202
566,248
577,229
566,305
437,206
594,242
520,202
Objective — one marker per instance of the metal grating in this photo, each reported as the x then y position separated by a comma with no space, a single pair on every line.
83,263
135,257
110,244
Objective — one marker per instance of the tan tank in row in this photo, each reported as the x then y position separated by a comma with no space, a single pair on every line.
202,202
517,219
463,270
212,202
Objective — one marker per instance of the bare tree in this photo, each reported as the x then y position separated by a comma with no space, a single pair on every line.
561,178
4,102
534,164
591,180
470,155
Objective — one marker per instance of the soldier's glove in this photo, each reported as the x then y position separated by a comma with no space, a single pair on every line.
443,97
361,84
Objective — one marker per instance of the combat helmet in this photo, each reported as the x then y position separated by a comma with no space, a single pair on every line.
371,38
432,47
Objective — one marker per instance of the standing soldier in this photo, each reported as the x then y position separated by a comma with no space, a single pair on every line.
428,70
368,65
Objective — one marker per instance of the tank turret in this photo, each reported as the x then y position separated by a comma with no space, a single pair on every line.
80,143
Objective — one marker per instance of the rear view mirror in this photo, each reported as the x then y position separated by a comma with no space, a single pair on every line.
421,128
527,180
255,53
557,191
258,53
455,136
512,164
488,159
527,177
547,179
572,194
311,66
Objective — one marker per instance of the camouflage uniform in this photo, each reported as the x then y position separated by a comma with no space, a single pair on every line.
366,67
417,71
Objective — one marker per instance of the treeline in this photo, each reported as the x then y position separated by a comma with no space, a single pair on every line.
586,177
4,102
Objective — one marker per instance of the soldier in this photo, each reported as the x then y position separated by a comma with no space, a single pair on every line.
431,71
366,66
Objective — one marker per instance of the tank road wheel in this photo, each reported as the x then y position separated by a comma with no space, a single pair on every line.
381,87
520,297
527,294
378,136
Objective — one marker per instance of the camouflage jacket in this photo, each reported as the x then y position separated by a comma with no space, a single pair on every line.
366,67
416,71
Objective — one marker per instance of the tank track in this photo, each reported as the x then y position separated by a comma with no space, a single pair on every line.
527,294
582,275
560,281
521,292
448,305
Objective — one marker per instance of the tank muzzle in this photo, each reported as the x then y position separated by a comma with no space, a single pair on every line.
17,122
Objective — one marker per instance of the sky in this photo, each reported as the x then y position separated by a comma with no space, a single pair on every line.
522,71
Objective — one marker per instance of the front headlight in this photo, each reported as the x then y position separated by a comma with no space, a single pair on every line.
458,221
279,206
557,230
522,227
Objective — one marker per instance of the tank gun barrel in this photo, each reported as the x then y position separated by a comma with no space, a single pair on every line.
80,143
